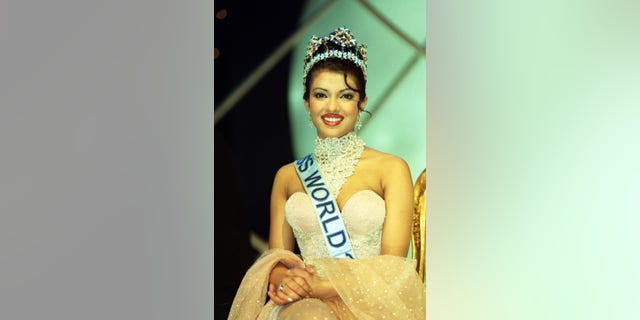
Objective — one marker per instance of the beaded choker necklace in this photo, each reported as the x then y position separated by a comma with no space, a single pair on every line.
337,159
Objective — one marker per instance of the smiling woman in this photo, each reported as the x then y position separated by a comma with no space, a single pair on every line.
334,106
348,207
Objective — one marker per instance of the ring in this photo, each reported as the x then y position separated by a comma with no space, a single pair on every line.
281,287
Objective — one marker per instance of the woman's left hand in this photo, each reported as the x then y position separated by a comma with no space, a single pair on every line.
322,289
293,287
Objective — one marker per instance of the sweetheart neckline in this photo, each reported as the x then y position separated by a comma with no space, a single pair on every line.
346,202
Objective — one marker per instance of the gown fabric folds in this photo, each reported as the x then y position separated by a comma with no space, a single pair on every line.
372,286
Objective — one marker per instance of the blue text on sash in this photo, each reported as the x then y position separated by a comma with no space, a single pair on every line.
326,207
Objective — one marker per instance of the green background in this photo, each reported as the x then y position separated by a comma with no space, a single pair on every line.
532,153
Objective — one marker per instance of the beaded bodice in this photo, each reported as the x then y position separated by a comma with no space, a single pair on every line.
363,215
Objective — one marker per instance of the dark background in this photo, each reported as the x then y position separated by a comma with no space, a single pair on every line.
253,140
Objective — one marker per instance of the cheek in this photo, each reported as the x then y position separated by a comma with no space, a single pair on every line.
314,107
353,108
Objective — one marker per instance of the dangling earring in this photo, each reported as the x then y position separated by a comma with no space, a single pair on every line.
358,122
310,121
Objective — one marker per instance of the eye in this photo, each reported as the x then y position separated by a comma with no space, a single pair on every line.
319,95
348,96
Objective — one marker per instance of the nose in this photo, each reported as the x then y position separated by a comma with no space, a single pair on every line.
332,106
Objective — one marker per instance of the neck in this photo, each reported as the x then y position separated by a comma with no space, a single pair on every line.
337,158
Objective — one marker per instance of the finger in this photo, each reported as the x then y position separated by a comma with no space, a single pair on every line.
310,268
276,299
299,286
280,297
272,289
296,290
303,279
284,297
289,290
294,269
297,272
277,296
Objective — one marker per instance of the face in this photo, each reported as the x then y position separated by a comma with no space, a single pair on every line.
332,105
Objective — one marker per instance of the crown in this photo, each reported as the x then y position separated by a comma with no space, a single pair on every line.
338,44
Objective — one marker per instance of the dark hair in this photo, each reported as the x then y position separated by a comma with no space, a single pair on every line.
338,65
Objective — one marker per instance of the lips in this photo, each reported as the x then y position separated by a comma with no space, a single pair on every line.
332,119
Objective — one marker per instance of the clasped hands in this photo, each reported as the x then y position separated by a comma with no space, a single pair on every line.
298,283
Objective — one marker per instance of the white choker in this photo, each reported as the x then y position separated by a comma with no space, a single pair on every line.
337,159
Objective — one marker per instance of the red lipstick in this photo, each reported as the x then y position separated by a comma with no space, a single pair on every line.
332,119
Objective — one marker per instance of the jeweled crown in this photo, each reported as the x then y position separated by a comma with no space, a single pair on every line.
339,44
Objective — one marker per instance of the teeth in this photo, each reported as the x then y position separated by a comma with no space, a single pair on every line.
332,119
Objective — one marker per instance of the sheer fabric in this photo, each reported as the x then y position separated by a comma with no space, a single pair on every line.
373,286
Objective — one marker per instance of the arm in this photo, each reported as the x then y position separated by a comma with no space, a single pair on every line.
280,233
281,236
397,186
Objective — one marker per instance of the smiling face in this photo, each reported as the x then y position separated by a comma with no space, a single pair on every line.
333,104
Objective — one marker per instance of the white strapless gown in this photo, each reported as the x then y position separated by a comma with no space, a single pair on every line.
363,215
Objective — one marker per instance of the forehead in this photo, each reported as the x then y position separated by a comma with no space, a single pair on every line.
329,79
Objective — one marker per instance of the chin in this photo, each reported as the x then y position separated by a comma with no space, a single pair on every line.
333,134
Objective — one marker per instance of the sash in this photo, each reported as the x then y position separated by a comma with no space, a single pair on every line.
328,214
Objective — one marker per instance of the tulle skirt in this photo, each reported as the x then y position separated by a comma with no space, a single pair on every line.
382,287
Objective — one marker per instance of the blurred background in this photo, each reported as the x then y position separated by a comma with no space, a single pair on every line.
261,123
534,159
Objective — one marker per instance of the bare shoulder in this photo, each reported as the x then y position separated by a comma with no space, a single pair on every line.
286,170
393,173
285,173
286,179
386,162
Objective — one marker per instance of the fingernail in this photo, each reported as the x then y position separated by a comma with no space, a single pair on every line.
290,300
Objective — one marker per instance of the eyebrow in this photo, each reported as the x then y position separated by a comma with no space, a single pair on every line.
343,90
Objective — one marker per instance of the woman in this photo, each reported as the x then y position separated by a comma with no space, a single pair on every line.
347,206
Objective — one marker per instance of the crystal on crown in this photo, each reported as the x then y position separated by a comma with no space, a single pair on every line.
350,49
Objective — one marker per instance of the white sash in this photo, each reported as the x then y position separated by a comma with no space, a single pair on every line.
335,233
